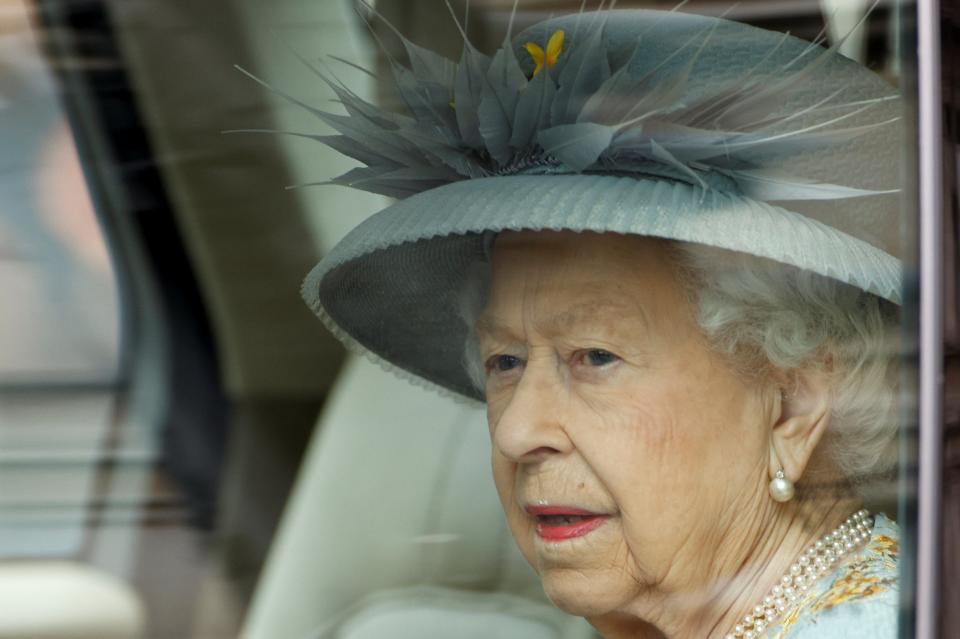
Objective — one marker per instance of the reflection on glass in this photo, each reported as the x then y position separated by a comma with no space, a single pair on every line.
59,359
656,253
664,250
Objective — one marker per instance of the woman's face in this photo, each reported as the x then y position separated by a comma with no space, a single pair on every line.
624,450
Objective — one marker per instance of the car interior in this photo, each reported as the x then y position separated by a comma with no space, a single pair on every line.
186,451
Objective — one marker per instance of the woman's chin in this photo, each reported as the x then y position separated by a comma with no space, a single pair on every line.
584,594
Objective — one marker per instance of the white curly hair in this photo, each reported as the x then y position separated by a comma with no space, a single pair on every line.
764,316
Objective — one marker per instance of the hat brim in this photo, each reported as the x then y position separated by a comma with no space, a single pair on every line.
393,286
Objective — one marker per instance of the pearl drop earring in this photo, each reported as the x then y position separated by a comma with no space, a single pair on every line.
781,488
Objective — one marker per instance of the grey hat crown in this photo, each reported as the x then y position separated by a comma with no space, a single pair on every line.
652,123
616,102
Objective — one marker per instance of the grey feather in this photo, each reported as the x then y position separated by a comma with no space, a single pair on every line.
431,67
576,145
609,103
427,101
339,143
703,112
353,149
385,143
499,99
428,66
809,138
356,106
354,65
768,96
468,91
394,189
617,98
376,182
533,110
769,185
670,91
668,158
453,157
483,117
585,70
684,143
416,174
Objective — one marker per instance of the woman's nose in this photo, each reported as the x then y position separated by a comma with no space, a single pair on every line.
533,424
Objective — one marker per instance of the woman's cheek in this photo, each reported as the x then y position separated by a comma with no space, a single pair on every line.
497,401
632,447
627,422
521,526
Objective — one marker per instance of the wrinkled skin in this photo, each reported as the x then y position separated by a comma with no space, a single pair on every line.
604,395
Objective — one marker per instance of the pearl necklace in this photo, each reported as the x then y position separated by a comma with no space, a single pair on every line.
817,561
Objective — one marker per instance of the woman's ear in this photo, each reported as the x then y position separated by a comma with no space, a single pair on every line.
803,419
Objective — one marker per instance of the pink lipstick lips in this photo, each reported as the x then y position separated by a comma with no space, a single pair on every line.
558,523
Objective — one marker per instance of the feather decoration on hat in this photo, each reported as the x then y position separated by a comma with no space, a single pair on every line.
486,116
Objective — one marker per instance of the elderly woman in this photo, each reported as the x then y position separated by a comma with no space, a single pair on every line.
686,384
641,393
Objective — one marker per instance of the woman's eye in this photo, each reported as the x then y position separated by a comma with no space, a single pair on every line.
503,363
598,357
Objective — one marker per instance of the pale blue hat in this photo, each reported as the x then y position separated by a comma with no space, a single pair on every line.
651,123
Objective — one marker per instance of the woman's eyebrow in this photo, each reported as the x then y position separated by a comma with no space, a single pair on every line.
489,326
584,312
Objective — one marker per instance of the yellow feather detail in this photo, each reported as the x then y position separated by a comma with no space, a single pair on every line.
537,54
554,47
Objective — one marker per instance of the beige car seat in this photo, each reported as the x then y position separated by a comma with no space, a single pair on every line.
67,600
394,529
